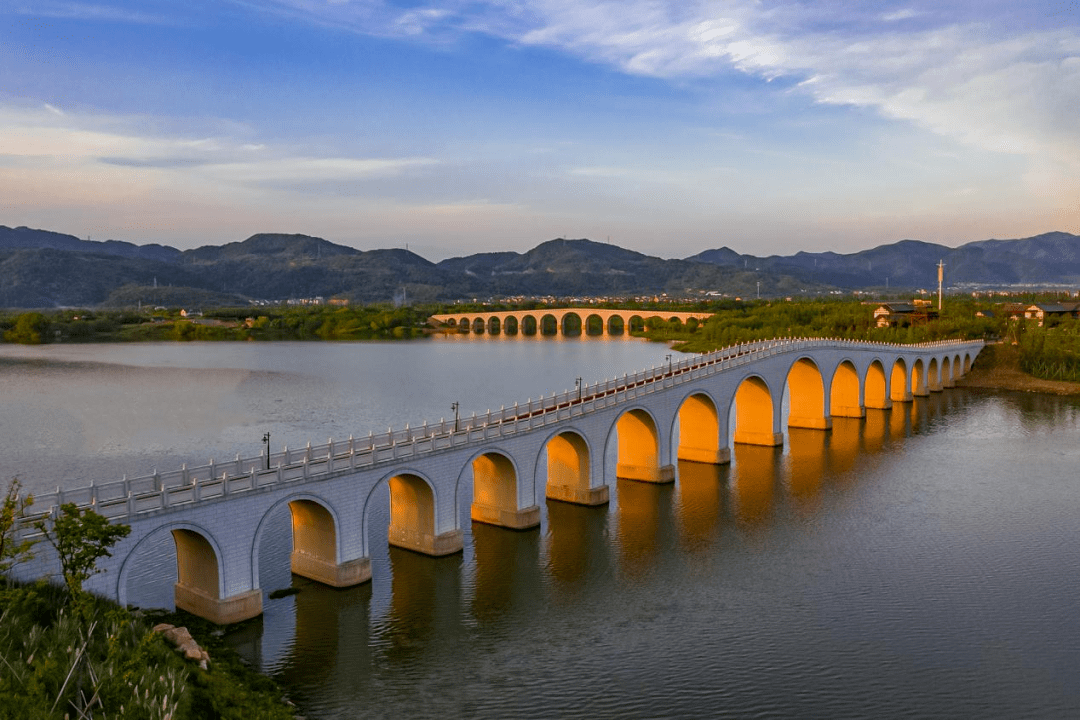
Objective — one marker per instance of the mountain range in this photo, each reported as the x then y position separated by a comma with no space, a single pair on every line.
40,269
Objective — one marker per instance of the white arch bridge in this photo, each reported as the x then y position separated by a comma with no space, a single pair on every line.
553,447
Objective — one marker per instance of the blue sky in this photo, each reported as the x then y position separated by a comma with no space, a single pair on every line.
473,125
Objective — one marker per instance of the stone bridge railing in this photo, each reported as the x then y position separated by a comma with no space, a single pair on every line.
125,499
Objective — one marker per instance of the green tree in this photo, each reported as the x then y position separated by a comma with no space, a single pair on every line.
29,329
80,537
12,549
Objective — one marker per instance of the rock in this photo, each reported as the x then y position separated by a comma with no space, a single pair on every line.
185,644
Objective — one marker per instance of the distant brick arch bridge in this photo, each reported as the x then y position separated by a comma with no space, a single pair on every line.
533,322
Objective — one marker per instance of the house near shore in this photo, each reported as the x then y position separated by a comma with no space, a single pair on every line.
1042,311
917,312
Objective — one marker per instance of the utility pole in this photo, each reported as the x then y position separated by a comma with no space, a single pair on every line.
940,280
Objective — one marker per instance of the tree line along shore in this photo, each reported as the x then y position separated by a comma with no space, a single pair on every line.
1047,350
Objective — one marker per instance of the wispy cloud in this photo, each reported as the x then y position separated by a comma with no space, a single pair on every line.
985,84
94,12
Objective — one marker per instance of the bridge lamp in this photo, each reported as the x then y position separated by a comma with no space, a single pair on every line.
577,384
266,439
454,407
668,357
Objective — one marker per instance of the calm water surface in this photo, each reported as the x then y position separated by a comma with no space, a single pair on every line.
921,563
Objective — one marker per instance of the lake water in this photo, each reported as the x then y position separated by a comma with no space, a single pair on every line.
921,563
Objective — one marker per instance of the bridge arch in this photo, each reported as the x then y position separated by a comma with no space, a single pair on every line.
616,325
196,567
845,400
899,385
496,488
637,437
947,379
571,324
568,474
529,325
967,365
933,376
548,325
414,514
478,325
919,384
635,323
700,438
755,413
876,387
464,325
494,325
593,325
806,389
510,327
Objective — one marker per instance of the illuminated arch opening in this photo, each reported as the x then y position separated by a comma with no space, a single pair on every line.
494,326
806,391
918,379
464,325
637,323
616,325
699,432
874,391
754,414
412,518
510,327
900,389
844,395
495,492
196,564
568,471
639,449
478,326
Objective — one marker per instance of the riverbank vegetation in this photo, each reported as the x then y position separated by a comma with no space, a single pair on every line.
65,653
738,322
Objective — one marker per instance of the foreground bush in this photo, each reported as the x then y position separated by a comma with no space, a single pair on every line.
103,662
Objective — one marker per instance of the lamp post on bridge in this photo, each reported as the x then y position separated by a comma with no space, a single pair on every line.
454,407
668,357
577,384
266,439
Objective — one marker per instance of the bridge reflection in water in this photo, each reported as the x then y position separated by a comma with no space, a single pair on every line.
583,560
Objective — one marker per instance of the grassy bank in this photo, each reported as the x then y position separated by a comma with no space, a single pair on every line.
96,659
998,367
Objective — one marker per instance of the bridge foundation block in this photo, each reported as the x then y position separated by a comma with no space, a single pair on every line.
702,455
850,411
758,438
523,519
221,611
446,543
579,496
646,473
340,575
811,423
879,405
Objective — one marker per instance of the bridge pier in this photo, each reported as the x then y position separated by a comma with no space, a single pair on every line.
646,473
579,496
220,611
705,456
339,575
811,423
848,411
746,437
446,543
523,519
